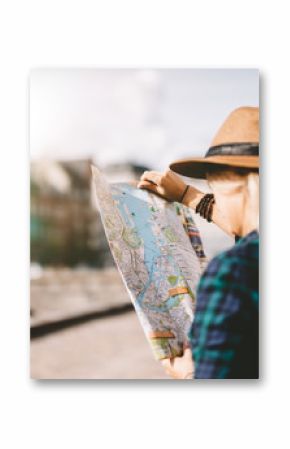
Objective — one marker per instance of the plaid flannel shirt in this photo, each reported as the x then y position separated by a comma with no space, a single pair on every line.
225,333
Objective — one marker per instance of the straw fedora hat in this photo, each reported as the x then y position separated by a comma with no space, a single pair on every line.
236,144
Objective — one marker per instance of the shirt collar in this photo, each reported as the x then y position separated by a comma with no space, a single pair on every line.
247,238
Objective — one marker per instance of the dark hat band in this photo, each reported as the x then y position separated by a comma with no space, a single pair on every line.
234,149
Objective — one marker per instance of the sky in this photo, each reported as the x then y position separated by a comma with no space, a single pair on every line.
150,117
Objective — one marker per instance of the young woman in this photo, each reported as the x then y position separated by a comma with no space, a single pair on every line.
224,335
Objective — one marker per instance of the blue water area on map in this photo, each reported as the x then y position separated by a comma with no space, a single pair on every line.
129,200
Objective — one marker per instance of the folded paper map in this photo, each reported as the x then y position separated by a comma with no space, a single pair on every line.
158,252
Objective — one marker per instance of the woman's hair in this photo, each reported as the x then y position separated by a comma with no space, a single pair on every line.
240,180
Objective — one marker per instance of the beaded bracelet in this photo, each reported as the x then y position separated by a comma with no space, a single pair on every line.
205,206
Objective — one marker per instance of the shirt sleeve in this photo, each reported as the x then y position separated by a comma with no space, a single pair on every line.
216,332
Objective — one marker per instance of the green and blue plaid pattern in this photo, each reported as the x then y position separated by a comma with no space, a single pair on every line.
225,333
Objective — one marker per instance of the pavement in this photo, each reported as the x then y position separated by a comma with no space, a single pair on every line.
83,327
107,348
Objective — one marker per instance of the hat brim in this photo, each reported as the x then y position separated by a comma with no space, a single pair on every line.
198,167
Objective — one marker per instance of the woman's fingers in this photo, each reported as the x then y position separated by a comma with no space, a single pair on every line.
148,185
179,367
168,184
152,176
167,365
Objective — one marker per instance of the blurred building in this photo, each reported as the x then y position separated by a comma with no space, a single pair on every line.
65,226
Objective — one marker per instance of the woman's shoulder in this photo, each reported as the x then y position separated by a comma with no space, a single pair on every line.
236,262
233,273
246,248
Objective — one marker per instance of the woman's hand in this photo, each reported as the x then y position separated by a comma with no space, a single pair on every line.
180,367
168,185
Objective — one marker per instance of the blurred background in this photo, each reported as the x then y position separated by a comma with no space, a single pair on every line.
124,121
